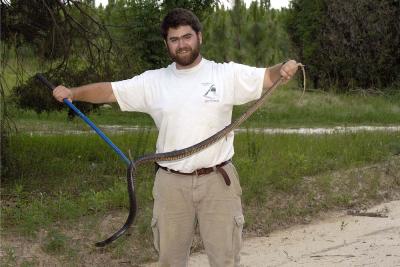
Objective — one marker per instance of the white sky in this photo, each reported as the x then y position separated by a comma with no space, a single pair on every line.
277,4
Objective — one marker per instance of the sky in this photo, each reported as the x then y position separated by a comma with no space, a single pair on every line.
277,4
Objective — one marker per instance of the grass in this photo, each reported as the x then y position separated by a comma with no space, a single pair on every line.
75,183
281,161
318,108
57,243
9,259
17,70
70,185
285,109
61,178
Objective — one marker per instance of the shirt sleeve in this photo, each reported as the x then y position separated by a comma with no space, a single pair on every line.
132,94
247,83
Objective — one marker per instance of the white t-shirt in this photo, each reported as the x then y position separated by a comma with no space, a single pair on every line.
190,105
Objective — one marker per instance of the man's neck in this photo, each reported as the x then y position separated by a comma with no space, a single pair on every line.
195,63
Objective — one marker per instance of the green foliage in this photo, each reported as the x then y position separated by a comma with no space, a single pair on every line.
72,176
36,96
134,28
53,29
57,243
238,17
64,37
286,108
265,41
8,259
304,24
23,22
347,44
253,35
67,158
131,42
279,162
217,36
202,8
363,38
30,213
4,132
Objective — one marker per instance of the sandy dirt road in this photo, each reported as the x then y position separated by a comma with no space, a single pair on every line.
339,240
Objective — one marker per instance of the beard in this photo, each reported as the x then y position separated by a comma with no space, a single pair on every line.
185,59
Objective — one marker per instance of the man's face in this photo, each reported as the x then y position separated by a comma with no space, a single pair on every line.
183,45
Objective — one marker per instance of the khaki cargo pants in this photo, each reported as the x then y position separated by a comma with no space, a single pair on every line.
181,201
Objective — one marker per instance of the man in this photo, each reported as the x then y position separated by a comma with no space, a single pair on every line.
190,100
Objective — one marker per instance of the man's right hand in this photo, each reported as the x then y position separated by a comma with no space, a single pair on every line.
61,92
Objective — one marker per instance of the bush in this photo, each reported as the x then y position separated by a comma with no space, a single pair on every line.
347,44
36,96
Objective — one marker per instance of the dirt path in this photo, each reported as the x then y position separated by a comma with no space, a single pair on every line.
305,131
340,240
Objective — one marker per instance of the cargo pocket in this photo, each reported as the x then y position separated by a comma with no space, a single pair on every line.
156,234
237,236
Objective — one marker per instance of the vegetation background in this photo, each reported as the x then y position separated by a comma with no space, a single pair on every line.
52,179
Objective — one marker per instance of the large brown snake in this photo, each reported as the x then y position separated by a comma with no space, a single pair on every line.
182,153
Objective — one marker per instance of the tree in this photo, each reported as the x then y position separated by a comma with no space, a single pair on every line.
135,27
217,35
253,35
304,24
266,41
238,17
65,36
202,8
347,44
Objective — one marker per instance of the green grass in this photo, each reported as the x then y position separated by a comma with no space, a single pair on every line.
61,178
60,181
70,185
18,69
285,109
315,109
281,161
9,258
57,243
30,121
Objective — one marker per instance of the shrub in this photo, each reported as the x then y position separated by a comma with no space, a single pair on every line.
347,44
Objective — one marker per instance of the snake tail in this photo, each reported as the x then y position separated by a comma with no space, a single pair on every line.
130,178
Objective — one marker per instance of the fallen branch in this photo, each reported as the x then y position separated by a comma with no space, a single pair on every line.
367,214
320,256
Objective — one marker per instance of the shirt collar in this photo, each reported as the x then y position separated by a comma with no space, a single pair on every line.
190,70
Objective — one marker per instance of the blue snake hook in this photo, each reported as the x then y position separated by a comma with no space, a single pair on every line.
41,78
130,173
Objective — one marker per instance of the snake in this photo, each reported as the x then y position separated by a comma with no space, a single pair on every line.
183,153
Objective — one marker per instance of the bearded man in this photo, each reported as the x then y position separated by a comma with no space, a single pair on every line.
190,100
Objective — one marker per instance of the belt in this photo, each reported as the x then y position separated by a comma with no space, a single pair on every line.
204,171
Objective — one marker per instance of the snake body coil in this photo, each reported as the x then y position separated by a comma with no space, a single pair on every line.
179,154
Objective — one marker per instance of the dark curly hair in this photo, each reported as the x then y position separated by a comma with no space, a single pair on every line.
179,17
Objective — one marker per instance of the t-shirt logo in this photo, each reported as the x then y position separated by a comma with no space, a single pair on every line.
211,94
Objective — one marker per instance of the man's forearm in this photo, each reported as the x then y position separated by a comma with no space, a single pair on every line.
94,93
272,74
